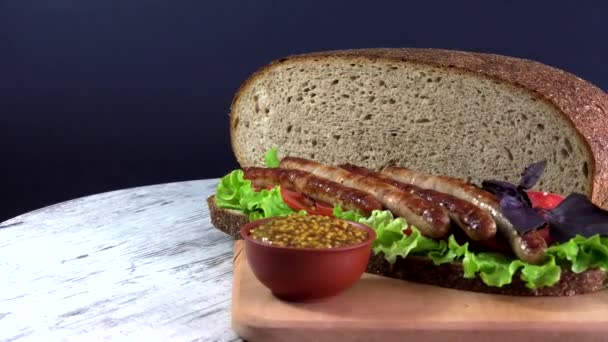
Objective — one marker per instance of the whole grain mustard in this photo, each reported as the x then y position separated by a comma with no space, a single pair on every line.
308,231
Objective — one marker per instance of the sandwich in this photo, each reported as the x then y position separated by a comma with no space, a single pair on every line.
437,151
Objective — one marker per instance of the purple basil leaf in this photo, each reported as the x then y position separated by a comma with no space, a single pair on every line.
523,195
577,215
502,188
499,188
532,174
523,217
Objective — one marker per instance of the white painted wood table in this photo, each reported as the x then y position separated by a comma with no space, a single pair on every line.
141,264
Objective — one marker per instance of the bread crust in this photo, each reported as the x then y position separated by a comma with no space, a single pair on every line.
422,270
582,104
228,221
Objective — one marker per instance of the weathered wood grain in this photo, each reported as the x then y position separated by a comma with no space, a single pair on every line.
383,309
140,264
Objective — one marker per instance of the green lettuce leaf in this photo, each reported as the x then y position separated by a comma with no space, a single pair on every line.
271,158
231,189
583,253
580,253
235,192
497,270
390,239
448,252
537,276
494,269
349,215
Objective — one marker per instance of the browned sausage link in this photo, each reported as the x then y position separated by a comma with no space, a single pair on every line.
319,189
327,191
530,248
262,177
533,245
431,220
476,223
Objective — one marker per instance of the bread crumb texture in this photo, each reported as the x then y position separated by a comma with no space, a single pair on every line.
376,113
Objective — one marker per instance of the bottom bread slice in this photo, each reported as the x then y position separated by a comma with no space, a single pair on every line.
422,270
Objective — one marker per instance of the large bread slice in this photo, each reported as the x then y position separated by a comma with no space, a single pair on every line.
423,270
469,115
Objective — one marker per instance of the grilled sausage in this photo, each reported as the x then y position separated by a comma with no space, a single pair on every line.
529,247
262,177
476,223
317,188
431,220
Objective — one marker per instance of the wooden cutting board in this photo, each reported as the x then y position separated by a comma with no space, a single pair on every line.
383,309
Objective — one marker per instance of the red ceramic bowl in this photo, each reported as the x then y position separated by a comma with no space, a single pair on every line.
300,274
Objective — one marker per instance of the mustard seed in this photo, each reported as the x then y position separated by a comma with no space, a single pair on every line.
308,231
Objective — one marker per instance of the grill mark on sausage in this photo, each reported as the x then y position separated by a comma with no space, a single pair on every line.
328,191
261,177
431,220
476,223
529,247
323,190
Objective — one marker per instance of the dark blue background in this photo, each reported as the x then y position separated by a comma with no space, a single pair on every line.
98,95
